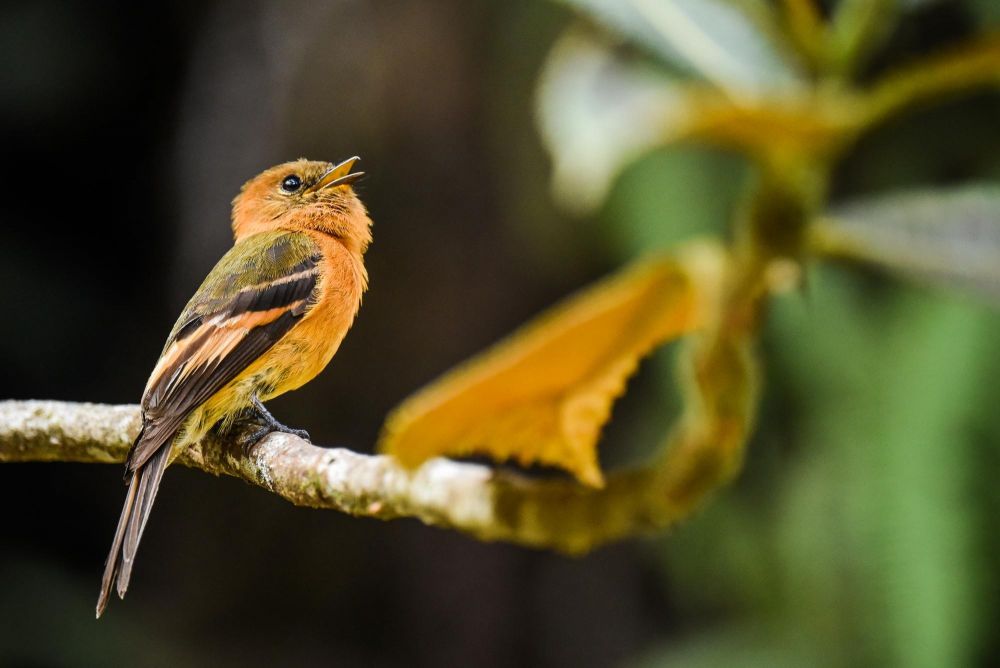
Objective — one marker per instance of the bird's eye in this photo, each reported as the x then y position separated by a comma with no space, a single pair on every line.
291,183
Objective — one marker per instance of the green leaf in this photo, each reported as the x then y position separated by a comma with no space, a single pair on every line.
859,27
986,11
878,528
735,44
672,195
943,237
937,373
754,644
597,113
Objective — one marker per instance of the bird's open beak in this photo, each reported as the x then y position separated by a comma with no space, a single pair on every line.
341,175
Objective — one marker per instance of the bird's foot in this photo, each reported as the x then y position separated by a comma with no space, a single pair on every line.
251,438
266,424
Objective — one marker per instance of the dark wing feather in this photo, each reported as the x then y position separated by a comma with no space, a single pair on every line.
261,301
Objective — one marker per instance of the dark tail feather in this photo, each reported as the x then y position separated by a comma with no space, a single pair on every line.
142,490
111,565
149,485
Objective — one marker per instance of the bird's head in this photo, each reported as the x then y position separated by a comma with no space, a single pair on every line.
304,195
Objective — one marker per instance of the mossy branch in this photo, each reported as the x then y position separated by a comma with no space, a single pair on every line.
483,502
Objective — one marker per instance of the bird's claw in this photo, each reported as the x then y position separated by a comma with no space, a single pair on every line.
301,433
250,439
266,423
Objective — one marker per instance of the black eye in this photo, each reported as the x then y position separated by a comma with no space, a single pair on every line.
291,183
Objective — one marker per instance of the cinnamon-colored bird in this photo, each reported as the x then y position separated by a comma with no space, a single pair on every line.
267,319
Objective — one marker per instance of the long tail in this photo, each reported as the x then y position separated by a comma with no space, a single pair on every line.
142,488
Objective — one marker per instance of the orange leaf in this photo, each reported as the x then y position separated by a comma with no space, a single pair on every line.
543,394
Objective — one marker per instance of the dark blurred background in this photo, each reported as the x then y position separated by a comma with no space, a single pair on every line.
128,128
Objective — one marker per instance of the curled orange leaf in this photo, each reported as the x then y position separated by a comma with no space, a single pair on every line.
542,395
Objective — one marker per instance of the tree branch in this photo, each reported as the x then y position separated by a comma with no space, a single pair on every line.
483,502
704,451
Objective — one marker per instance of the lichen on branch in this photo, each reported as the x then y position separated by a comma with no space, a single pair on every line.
478,500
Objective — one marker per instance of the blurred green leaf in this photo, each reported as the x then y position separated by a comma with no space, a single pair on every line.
987,11
747,645
672,195
931,564
597,113
944,237
859,27
735,44
877,518
971,64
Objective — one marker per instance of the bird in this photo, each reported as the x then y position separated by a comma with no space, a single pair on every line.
267,319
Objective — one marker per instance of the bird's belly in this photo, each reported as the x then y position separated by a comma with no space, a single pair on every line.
308,347
295,360
300,355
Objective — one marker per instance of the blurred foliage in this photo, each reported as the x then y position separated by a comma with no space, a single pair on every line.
951,237
674,118
879,545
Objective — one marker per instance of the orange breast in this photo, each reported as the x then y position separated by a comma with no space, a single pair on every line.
310,345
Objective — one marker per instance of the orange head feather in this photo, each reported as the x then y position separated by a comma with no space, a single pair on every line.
304,195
